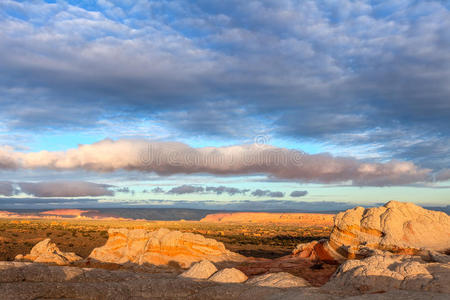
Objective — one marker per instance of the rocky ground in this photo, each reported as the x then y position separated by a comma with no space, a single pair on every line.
377,253
25,281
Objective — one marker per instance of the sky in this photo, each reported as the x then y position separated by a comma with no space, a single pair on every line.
261,105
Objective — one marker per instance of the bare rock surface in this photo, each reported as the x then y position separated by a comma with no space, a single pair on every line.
47,252
279,280
200,270
160,247
229,275
23,281
382,273
396,227
26,281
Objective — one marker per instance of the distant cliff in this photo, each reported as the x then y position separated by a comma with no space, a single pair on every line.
265,217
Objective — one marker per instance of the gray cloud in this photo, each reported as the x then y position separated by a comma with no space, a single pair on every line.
27,203
157,190
6,188
268,193
298,193
123,190
223,189
165,158
443,175
65,189
186,189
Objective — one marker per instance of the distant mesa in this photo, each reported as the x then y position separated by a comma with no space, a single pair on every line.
65,212
267,217
47,252
61,214
8,214
396,227
160,247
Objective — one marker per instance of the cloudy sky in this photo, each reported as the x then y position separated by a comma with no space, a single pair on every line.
262,104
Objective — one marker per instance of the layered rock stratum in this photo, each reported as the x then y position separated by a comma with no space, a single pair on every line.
161,247
396,227
266,217
47,252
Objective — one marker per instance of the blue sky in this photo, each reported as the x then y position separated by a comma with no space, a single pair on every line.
366,82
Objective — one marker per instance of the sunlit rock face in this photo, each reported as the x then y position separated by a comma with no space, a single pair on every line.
396,227
160,247
47,252
381,273
316,251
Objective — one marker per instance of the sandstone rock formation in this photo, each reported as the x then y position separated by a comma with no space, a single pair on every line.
47,252
201,270
401,228
161,247
265,217
279,280
27,281
382,273
316,251
228,275
315,274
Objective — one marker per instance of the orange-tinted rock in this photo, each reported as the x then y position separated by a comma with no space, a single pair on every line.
263,217
160,247
400,228
316,251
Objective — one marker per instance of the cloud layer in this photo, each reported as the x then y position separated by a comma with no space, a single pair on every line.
166,158
186,189
297,194
267,193
354,73
219,190
56,189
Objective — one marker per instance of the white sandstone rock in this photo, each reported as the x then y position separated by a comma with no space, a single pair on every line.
201,270
280,280
229,275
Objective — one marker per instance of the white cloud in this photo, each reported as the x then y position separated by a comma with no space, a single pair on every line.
166,158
